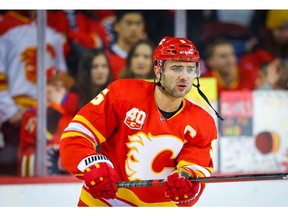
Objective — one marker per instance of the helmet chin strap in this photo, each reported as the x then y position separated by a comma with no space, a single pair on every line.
205,98
158,82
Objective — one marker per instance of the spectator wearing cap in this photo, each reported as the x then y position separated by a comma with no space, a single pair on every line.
60,105
272,45
129,28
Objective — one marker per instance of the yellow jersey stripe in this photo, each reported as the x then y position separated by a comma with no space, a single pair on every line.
76,134
88,124
124,194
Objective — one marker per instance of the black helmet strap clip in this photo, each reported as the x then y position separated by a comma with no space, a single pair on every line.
205,98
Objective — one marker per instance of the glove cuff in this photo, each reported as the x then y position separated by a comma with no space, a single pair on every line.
188,173
93,159
185,172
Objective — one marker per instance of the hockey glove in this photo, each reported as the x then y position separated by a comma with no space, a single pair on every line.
100,179
179,189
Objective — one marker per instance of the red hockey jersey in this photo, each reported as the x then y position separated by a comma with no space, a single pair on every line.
142,145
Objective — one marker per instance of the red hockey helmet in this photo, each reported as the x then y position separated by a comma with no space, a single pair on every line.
177,49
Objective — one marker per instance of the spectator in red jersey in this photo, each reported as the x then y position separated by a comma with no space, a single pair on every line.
129,27
94,75
61,107
13,18
273,44
221,61
139,62
106,19
82,30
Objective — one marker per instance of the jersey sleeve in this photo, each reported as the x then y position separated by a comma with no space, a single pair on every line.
197,151
90,127
196,154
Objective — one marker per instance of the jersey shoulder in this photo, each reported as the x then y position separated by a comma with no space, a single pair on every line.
198,112
131,88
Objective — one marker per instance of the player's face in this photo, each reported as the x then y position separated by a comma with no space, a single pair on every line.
178,77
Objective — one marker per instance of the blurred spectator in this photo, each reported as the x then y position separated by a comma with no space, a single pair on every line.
273,44
139,62
129,27
222,64
18,76
94,75
82,30
276,39
13,18
155,29
273,76
106,19
58,117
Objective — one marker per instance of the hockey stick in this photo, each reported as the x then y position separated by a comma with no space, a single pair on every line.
213,179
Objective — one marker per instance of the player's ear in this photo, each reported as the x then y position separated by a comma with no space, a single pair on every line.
157,70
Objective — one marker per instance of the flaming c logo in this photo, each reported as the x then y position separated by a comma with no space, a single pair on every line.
29,58
151,156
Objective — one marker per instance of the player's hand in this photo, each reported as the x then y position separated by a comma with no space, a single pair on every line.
179,189
100,179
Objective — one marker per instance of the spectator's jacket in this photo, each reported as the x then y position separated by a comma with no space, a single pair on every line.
250,63
117,59
18,65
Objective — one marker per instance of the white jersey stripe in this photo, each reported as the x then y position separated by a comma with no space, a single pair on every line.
80,128
116,202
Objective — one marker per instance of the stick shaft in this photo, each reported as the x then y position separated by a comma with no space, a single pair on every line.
214,179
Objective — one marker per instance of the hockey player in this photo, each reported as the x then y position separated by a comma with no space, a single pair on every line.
146,131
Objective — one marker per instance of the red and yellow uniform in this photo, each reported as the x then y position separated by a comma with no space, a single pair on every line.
139,141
